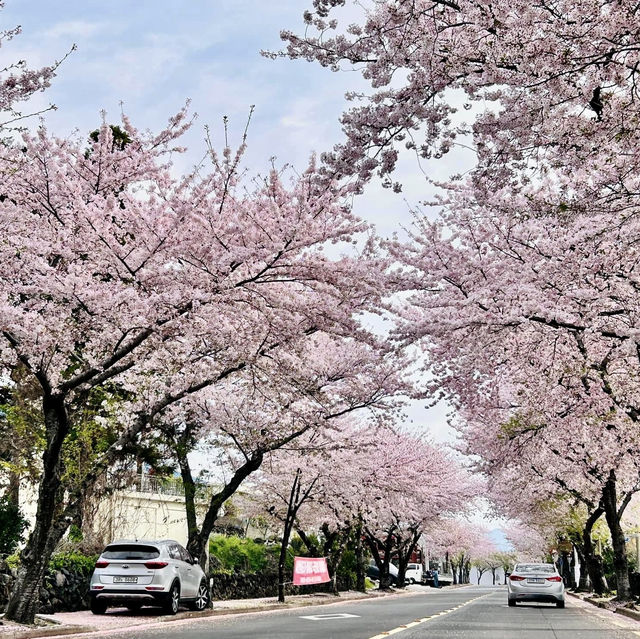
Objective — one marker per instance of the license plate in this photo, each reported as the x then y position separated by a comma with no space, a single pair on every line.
535,581
125,580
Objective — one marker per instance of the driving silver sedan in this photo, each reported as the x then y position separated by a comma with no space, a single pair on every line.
535,582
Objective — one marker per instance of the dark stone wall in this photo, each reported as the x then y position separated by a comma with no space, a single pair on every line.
62,590
66,590
246,585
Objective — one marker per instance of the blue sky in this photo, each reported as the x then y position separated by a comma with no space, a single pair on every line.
153,55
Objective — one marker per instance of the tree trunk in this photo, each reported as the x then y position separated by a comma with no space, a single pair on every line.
591,565
199,538
382,562
47,532
620,562
360,560
292,509
584,582
404,555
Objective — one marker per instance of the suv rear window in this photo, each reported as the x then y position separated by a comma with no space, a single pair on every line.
130,551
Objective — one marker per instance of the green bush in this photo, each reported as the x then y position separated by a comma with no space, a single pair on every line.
238,554
12,526
73,562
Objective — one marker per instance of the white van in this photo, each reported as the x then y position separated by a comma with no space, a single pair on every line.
413,574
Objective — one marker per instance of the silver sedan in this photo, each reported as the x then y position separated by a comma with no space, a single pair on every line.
535,582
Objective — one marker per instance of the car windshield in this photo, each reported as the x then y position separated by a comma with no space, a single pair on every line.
535,568
130,551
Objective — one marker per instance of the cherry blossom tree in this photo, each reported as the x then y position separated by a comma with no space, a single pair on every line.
530,283
459,541
415,483
559,80
277,402
18,82
116,272
533,353
316,485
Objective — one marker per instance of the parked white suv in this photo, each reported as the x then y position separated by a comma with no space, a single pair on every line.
138,573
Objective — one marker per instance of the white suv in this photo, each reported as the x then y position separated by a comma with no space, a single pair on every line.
138,573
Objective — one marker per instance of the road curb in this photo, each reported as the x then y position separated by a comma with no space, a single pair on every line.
51,631
620,610
627,612
593,602
65,631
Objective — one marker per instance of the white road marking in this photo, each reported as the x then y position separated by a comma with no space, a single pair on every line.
336,615
417,622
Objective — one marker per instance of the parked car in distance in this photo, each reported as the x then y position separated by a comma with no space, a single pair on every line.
413,575
374,573
535,582
138,573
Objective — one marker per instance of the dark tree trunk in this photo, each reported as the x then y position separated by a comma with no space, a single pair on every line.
404,555
13,489
382,561
592,565
199,538
334,546
47,532
296,498
493,576
286,533
360,560
584,582
620,562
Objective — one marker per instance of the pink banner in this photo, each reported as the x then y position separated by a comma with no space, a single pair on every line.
309,570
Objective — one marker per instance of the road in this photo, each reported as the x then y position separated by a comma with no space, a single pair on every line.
465,613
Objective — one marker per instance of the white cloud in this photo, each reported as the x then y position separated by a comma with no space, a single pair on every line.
74,29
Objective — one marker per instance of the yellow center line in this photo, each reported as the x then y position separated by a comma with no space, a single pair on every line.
417,622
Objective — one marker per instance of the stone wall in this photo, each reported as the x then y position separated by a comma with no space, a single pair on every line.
66,590
63,590
245,585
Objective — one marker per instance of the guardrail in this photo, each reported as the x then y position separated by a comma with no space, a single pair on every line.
171,486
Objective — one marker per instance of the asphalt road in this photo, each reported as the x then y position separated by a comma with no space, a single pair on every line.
465,613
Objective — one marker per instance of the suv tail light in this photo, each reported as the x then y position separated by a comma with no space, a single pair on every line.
516,578
556,578
155,565
102,564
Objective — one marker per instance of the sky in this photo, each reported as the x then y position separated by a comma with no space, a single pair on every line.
148,57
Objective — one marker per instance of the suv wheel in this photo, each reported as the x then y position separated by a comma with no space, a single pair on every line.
172,602
98,607
202,598
512,602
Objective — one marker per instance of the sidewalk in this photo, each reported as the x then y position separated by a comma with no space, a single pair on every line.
83,623
629,610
